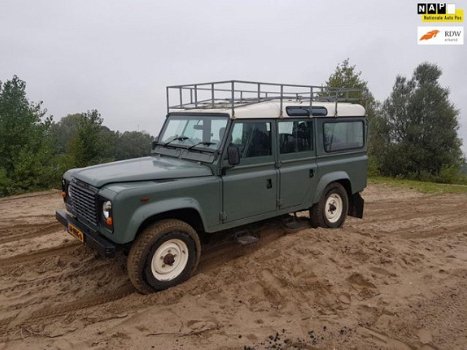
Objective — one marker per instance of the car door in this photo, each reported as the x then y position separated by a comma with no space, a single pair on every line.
297,161
250,188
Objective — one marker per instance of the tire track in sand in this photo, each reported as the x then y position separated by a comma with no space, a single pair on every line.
57,278
42,230
60,310
32,256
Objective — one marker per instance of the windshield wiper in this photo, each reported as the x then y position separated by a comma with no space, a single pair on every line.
204,143
180,138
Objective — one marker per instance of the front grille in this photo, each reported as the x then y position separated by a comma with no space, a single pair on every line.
83,201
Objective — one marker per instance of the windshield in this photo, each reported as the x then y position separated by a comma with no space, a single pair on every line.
200,132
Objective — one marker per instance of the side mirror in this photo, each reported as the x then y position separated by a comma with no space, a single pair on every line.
233,155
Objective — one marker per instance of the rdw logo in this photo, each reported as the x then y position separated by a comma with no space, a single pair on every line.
440,35
430,35
452,33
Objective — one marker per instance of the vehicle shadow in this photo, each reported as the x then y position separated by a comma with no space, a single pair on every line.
224,246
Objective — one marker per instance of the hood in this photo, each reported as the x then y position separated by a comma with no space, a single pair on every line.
139,169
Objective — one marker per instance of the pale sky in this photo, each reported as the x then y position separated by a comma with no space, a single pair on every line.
118,56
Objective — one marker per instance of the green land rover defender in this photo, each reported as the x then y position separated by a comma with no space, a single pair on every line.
229,154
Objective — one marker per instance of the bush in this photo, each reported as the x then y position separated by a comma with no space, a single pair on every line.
5,183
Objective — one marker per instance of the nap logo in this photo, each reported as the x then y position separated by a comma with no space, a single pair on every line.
440,35
435,9
440,12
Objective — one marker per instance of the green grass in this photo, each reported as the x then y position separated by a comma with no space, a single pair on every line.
421,186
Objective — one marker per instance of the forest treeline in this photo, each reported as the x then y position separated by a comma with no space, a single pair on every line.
413,133
35,150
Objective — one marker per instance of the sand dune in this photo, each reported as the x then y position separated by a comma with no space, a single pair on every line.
395,280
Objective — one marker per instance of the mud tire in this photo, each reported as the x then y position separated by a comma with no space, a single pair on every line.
145,247
318,215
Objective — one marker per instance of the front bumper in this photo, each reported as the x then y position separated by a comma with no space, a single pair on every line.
92,238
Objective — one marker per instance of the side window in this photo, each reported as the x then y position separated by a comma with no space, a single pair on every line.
295,136
252,138
343,135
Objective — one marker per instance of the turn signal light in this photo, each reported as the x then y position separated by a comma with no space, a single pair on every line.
63,194
109,221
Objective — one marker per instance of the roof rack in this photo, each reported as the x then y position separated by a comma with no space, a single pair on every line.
232,94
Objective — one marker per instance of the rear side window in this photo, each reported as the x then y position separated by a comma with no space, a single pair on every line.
339,136
295,136
252,138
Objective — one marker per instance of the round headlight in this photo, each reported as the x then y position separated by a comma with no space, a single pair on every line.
106,209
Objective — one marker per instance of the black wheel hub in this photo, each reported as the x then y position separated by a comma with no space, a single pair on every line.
169,259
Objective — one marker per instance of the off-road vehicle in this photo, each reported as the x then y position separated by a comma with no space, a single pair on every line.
230,153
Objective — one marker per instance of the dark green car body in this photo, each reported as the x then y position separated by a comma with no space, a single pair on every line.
200,187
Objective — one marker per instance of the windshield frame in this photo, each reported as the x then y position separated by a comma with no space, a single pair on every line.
199,147
199,153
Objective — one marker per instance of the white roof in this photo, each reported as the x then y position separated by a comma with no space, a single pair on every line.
271,109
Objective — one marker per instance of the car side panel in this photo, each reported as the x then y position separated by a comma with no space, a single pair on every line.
297,179
249,191
136,202
346,164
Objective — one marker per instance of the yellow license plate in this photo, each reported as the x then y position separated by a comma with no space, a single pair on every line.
76,232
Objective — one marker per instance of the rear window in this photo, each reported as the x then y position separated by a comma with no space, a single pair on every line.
345,135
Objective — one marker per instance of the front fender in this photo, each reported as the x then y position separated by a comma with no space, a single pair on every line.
326,180
154,208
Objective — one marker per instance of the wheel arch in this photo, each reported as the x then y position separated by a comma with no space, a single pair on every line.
339,176
347,186
356,202
189,215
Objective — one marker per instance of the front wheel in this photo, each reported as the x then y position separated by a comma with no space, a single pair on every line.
164,255
331,210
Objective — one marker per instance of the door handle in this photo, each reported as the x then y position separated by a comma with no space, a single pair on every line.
268,183
312,172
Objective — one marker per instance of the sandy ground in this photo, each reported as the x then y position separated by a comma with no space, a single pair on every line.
395,280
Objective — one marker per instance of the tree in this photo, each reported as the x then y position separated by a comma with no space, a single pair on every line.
80,139
422,127
35,150
347,76
86,145
108,140
65,130
24,147
132,144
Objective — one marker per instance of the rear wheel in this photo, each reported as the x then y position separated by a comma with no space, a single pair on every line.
331,210
164,255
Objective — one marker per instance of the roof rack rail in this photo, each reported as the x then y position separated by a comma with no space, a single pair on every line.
232,94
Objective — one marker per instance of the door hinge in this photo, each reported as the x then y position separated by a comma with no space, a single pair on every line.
279,203
222,216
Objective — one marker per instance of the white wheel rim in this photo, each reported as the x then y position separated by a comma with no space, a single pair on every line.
333,208
169,260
